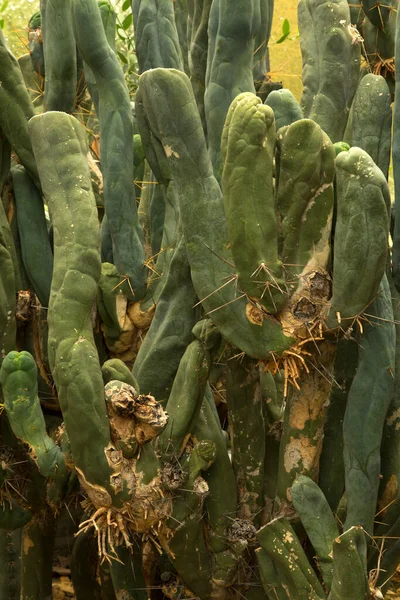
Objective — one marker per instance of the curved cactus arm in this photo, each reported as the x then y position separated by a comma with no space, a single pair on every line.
361,234
116,154
396,164
368,402
202,214
156,35
59,52
350,580
232,39
331,465
285,106
248,142
18,378
15,107
72,352
318,521
371,120
280,542
36,251
331,63
248,435
5,159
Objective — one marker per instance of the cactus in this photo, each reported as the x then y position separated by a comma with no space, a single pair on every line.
215,375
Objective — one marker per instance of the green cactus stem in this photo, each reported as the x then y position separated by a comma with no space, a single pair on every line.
72,352
331,63
350,580
156,35
318,521
59,52
371,120
280,543
36,251
116,154
361,234
368,400
15,107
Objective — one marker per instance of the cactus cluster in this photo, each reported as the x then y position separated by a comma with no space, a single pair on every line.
199,307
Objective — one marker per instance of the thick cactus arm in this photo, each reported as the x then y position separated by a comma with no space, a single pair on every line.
36,251
285,106
304,199
350,580
59,55
16,107
116,132
248,142
318,521
203,216
371,120
18,378
368,402
156,35
234,26
331,63
73,356
361,235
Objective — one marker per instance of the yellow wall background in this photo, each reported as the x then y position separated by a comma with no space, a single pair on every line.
285,57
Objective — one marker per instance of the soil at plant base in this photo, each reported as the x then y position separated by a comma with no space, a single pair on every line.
63,590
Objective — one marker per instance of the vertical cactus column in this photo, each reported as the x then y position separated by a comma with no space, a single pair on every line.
234,26
59,55
72,352
331,63
116,133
